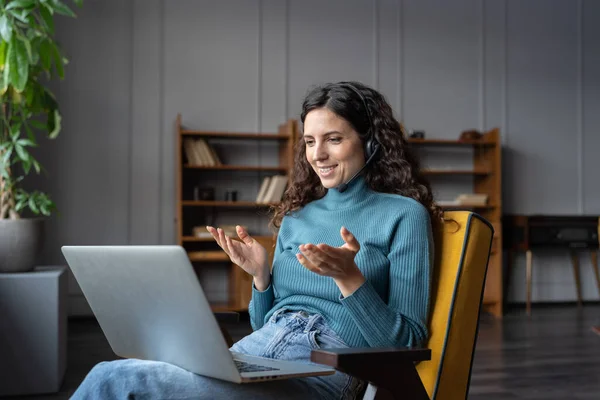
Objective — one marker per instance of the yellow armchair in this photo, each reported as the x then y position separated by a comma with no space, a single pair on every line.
441,370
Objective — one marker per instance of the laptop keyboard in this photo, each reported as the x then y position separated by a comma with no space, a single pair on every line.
244,366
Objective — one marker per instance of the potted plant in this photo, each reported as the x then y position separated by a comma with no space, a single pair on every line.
29,57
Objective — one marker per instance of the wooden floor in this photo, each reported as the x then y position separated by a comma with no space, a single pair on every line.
555,354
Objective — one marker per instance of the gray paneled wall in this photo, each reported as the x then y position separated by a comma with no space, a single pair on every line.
531,68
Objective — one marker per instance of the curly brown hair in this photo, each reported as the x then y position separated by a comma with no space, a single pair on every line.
395,169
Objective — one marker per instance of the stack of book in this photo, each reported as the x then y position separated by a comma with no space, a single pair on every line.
229,230
199,153
467,200
272,189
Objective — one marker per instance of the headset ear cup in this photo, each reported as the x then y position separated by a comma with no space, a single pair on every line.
368,149
371,147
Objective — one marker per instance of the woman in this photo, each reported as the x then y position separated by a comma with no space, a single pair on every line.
352,263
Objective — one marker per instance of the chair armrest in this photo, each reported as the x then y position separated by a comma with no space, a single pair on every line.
347,357
391,369
229,317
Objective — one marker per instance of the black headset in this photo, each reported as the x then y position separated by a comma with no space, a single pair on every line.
371,144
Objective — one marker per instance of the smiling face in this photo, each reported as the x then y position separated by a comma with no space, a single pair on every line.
333,147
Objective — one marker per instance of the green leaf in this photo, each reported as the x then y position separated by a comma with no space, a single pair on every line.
27,46
15,131
3,48
22,153
44,209
46,54
36,166
29,94
21,15
26,166
26,142
62,8
20,204
3,83
58,62
30,134
46,14
18,64
20,4
33,206
6,158
78,3
5,28
54,129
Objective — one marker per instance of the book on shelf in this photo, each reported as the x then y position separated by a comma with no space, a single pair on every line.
466,199
229,230
200,153
272,189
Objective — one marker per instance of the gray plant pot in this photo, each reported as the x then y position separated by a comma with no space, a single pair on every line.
21,242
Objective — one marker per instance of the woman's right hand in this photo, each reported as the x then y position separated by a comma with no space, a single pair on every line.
250,255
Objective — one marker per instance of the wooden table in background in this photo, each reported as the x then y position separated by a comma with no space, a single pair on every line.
526,233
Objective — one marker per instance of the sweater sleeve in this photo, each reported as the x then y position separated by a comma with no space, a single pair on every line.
402,320
262,302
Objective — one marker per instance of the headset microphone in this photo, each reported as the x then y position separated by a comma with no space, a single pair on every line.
342,188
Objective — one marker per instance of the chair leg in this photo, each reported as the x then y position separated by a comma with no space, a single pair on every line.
594,256
226,336
529,259
575,263
510,259
375,393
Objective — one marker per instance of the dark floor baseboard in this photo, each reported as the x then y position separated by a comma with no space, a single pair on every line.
550,304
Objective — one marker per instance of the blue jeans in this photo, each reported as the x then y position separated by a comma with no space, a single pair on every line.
287,335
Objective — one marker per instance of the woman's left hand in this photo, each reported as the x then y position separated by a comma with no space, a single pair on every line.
335,262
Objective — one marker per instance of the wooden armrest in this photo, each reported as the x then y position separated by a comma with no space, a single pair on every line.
341,358
391,369
227,317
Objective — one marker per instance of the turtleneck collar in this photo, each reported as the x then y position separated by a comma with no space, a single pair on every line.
355,193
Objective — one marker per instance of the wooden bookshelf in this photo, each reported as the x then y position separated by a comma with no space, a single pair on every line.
237,168
486,172
479,172
190,212
236,204
237,135
485,142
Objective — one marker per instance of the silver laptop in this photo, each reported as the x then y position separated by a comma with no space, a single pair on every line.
150,305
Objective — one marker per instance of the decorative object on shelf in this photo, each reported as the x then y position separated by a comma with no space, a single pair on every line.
416,134
231,195
470,135
30,58
204,194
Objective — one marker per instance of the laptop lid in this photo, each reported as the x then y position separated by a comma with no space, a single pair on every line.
150,305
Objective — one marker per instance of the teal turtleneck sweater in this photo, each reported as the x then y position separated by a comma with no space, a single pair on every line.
396,257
